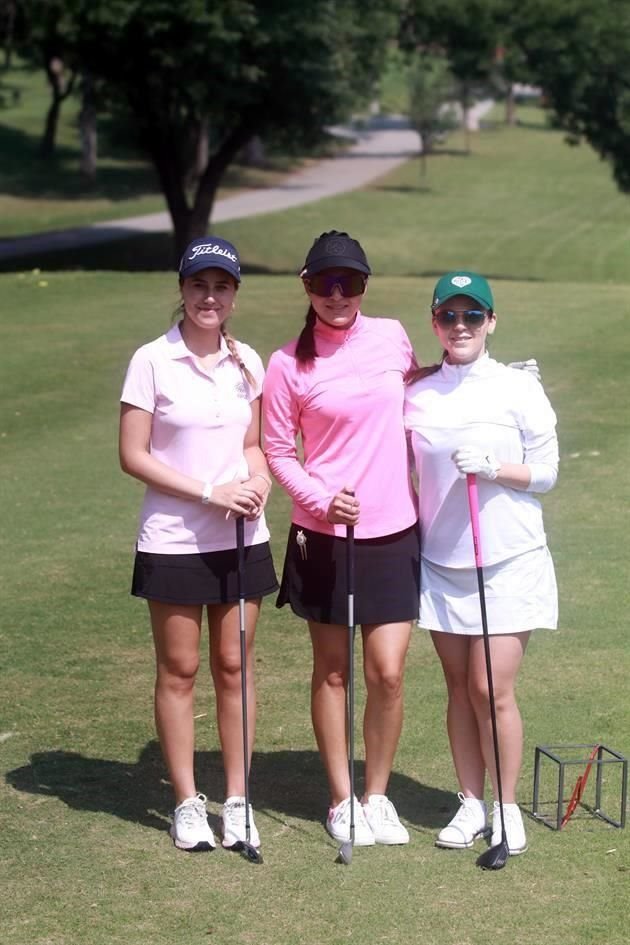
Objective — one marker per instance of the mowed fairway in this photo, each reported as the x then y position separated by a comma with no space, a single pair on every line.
85,858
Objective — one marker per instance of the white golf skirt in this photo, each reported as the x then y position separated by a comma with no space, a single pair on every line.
521,594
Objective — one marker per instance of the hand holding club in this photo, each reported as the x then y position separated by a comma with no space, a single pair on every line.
345,508
473,460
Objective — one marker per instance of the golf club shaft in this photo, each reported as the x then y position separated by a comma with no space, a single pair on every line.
351,631
473,502
240,547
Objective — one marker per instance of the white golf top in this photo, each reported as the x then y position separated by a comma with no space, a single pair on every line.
490,406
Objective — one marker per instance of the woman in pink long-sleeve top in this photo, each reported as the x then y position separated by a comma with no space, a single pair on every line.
340,387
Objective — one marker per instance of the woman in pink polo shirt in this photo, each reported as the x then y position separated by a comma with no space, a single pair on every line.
340,386
190,430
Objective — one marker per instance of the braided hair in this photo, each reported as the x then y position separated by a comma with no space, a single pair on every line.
230,341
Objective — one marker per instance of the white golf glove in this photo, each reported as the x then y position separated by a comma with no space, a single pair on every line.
531,366
470,459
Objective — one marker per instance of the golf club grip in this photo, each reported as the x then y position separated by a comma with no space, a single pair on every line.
240,553
473,503
350,558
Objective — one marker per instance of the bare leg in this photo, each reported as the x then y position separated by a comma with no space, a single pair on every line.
461,721
328,704
176,635
384,650
225,665
506,652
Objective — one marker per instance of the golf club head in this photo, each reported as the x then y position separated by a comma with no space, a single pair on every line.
345,853
494,858
248,851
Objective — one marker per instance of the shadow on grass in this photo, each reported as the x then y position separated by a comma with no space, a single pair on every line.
404,189
26,174
289,782
141,252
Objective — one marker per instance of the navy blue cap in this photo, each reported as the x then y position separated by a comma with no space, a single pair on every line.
208,252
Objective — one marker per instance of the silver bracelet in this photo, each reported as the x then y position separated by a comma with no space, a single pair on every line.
206,495
262,476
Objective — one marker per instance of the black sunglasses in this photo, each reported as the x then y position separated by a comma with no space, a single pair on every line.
323,283
473,317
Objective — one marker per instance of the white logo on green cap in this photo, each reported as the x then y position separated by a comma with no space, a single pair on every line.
461,281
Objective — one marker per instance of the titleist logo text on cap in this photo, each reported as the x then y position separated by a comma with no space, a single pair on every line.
211,249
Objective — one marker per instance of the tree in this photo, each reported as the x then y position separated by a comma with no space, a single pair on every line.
227,70
431,88
579,53
467,31
8,18
48,39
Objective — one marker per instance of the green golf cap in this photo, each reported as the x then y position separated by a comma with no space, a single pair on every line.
463,283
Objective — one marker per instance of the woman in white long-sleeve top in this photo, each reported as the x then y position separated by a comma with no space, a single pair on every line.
470,414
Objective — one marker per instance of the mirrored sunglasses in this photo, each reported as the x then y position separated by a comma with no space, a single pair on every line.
324,283
473,317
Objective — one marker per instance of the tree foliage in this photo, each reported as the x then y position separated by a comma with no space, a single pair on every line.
431,89
579,52
228,69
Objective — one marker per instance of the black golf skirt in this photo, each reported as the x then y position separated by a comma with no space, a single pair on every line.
387,574
206,578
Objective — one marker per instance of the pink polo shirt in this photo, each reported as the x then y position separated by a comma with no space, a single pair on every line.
199,424
347,406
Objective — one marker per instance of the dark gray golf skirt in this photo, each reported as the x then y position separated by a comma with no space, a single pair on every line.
386,577
206,578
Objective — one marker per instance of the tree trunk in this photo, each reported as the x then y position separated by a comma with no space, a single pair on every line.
173,184
510,106
190,222
199,152
47,143
9,32
87,128
465,106
202,152
60,91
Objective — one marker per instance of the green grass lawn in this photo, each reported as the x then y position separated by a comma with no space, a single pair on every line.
83,800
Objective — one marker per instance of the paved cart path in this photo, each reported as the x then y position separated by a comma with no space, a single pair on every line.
375,152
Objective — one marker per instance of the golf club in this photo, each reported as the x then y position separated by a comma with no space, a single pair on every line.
245,847
495,857
345,850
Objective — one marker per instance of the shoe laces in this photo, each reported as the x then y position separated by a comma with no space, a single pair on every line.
385,808
235,810
341,813
466,811
193,811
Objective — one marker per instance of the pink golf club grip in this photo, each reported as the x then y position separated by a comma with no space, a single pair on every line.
473,502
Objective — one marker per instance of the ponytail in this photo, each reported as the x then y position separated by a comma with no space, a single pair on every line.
420,373
305,350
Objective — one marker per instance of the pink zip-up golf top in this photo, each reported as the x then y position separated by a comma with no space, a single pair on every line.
347,406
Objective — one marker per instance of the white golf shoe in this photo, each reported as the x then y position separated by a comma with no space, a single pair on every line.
469,823
383,820
514,829
190,829
338,824
233,819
